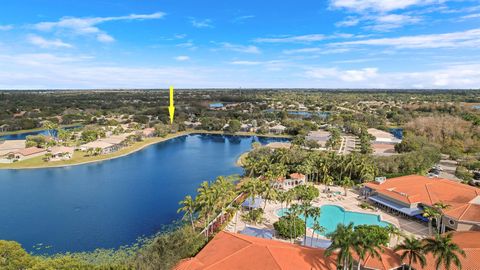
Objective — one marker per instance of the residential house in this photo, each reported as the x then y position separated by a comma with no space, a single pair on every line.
28,153
278,129
61,152
148,132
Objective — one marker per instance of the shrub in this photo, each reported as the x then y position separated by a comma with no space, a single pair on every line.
285,227
254,216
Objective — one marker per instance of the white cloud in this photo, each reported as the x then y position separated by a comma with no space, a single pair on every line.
379,5
6,27
206,23
349,21
241,19
240,48
392,21
465,76
88,26
45,43
182,58
471,16
316,50
469,38
344,75
292,39
246,63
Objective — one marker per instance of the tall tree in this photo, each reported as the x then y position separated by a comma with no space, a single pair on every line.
412,249
444,250
343,243
188,207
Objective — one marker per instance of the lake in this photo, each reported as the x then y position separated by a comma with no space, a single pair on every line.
112,203
23,135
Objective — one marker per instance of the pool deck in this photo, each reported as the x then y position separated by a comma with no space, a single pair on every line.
349,203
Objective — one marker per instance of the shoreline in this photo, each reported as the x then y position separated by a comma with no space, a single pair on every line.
155,140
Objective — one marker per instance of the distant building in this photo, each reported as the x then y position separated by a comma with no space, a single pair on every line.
278,129
319,136
288,183
216,106
148,132
189,124
28,153
382,136
61,152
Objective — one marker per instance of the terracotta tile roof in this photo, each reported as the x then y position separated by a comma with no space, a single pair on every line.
388,260
236,251
468,242
297,176
30,151
421,189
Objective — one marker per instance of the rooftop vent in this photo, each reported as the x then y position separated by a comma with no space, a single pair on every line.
381,179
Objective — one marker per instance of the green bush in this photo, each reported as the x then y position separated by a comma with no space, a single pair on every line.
254,216
290,227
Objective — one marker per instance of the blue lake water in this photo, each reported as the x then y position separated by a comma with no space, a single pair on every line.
332,215
23,135
112,203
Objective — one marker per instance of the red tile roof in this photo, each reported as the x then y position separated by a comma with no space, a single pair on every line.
30,151
297,176
388,260
421,189
236,251
468,242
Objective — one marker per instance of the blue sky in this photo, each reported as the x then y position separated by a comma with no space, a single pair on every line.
302,43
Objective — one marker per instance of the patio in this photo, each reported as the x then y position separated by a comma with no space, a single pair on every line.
351,202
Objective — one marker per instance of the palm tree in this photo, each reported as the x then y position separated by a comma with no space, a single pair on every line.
188,206
269,194
315,213
346,183
444,250
205,201
293,212
430,214
343,242
440,206
281,197
394,231
412,249
364,246
306,210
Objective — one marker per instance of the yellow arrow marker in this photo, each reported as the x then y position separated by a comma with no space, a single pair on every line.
171,108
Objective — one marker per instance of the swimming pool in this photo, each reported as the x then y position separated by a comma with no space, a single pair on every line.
332,215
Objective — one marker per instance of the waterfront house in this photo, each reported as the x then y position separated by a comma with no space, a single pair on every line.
148,132
278,129
29,152
409,195
189,124
246,128
105,148
61,152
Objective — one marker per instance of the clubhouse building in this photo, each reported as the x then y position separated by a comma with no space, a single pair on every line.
410,195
